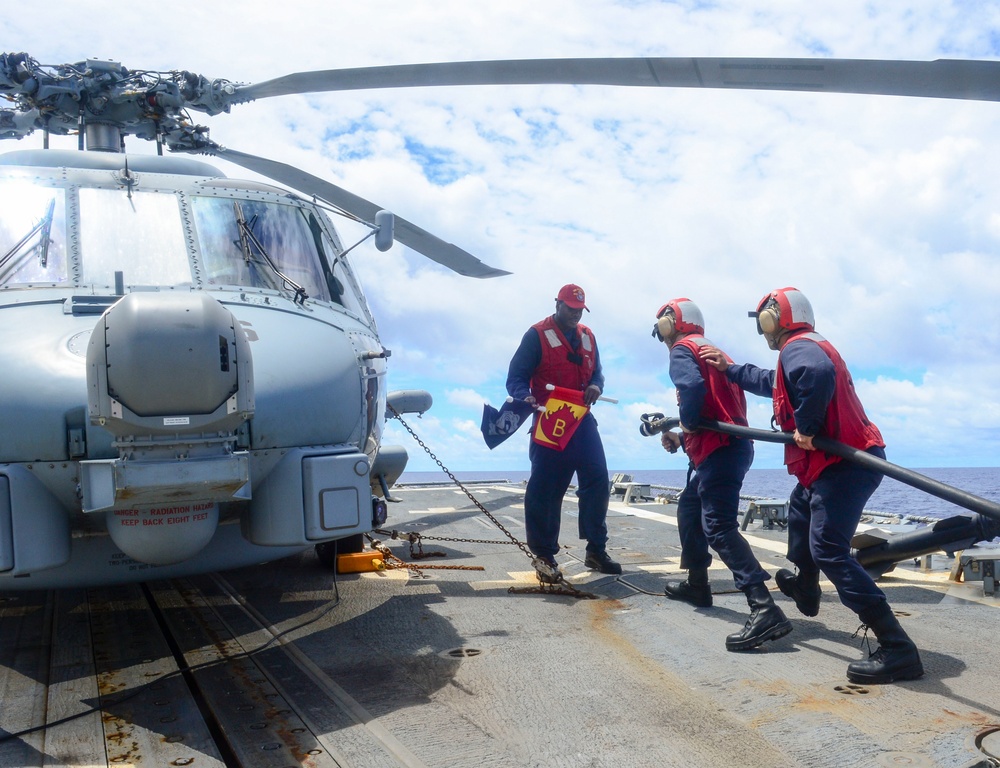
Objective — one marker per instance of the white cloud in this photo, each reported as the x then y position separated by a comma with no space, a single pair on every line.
466,398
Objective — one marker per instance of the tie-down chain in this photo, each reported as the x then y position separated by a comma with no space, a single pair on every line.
554,582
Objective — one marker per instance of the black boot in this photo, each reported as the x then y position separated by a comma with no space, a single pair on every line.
600,561
895,659
695,590
766,622
804,590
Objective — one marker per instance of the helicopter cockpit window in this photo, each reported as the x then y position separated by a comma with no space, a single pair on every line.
140,235
350,294
32,233
283,253
338,275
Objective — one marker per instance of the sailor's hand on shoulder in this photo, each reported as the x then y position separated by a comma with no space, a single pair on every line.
714,357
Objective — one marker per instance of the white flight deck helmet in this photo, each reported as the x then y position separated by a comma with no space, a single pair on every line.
678,316
782,311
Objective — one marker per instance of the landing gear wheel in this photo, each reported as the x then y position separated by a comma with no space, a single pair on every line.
327,551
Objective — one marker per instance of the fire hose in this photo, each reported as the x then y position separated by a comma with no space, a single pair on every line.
950,534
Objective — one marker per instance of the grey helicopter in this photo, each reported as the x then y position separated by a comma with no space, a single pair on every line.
190,376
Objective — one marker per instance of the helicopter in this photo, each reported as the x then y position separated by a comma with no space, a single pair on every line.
196,382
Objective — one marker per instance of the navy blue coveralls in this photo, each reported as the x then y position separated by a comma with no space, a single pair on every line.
708,507
552,471
823,518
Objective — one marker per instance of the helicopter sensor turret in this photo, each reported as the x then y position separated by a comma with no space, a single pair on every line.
169,364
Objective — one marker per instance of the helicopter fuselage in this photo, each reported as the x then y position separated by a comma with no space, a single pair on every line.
190,377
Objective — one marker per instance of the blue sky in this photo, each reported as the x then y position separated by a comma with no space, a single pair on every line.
884,211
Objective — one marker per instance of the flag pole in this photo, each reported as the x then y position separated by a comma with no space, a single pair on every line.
539,408
551,387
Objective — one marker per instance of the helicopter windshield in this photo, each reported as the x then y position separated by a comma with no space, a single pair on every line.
32,220
138,234
169,238
283,232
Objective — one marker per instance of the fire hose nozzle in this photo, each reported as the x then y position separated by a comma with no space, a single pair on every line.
656,423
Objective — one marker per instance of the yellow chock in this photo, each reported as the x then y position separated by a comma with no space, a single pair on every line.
360,562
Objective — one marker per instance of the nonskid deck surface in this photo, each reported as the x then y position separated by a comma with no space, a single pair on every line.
448,668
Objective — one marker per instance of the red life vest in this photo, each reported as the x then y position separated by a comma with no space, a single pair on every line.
724,401
555,367
845,418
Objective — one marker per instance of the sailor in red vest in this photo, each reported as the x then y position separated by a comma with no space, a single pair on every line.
708,507
560,350
814,394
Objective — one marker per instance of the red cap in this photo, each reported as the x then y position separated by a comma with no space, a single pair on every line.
573,297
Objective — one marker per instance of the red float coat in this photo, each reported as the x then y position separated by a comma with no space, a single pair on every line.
845,419
724,401
555,367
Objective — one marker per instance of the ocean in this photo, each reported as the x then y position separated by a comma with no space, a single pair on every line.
891,498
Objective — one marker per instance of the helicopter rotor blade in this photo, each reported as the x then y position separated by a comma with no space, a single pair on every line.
407,233
942,78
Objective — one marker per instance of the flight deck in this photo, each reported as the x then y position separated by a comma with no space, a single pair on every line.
286,664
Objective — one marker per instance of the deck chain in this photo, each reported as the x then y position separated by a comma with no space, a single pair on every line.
393,562
560,587
417,538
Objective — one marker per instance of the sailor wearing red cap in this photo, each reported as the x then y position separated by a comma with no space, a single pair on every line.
561,351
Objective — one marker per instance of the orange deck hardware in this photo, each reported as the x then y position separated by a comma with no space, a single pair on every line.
360,562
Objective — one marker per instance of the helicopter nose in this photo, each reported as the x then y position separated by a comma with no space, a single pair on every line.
170,376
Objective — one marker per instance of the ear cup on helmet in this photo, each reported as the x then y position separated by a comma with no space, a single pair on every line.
769,320
665,326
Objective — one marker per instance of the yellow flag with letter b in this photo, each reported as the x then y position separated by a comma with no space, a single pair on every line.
564,410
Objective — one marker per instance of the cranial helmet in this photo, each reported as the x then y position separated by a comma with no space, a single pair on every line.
784,309
678,316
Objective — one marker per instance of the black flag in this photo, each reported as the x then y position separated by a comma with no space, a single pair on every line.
499,425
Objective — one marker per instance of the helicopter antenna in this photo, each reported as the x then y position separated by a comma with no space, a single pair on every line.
128,180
